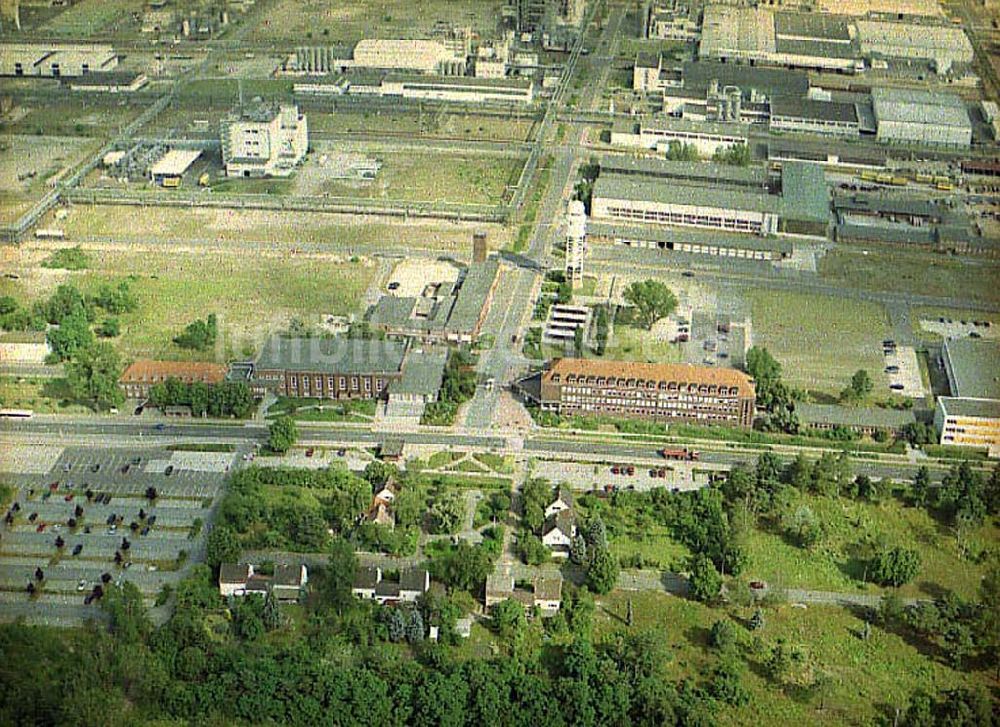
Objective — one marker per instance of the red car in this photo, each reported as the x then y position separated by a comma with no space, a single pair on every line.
40,528
614,470
310,452
69,497
758,585
630,471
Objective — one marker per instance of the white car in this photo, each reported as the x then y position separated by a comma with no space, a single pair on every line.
82,585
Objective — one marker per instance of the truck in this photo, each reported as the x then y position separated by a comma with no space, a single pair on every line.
680,453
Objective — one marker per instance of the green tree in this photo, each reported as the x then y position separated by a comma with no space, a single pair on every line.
532,550
270,614
737,155
704,583
895,566
508,618
199,335
860,387
446,513
282,434
722,635
652,301
109,328
124,607
222,546
93,376
578,549
803,527
72,335
726,682
339,574
602,575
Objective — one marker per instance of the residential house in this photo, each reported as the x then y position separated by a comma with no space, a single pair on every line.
558,532
289,581
371,583
545,592
241,579
563,501
380,511
233,578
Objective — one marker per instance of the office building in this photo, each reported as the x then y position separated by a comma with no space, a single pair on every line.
328,368
722,197
142,375
909,116
658,392
267,141
576,242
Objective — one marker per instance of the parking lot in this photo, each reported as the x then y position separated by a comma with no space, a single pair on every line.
903,370
644,477
99,516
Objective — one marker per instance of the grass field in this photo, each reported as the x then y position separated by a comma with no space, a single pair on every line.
85,118
837,561
636,344
919,272
820,341
41,395
86,17
29,163
339,21
423,177
252,295
137,224
451,125
862,678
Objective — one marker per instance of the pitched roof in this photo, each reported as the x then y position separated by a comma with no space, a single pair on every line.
289,575
548,588
339,355
149,372
564,494
230,573
659,372
367,577
564,521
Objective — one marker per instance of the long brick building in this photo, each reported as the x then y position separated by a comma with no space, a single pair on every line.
661,392
142,375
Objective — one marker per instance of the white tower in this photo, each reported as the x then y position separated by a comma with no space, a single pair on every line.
576,242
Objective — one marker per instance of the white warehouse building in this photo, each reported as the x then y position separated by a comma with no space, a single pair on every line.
905,116
265,142
57,61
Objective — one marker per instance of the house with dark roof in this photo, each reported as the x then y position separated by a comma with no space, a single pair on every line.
563,501
544,593
240,579
558,532
411,583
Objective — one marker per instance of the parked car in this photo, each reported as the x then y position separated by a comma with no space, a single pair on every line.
125,468
169,470
310,452
96,467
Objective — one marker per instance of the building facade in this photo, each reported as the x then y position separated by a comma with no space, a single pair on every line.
969,423
265,142
337,368
660,392
142,375
576,242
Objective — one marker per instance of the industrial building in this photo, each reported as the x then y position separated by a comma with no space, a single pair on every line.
445,312
414,56
691,241
826,117
677,21
266,141
55,61
717,196
111,82
759,35
970,417
170,168
455,89
654,391
658,132
892,219
908,116
823,42
942,46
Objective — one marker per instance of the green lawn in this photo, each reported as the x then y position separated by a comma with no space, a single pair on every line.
637,344
862,677
911,271
41,395
324,410
250,294
820,340
837,561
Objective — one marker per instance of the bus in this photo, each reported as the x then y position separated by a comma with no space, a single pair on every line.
49,234
16,413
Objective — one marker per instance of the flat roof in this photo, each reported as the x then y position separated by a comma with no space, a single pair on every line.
672,123
333,355
416,79
966,407
974,367
808,108
812,25
175,162
688,235
852,416
423,371
919,107
773,81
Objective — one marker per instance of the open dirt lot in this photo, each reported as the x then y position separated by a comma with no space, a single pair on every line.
415,274
333,21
